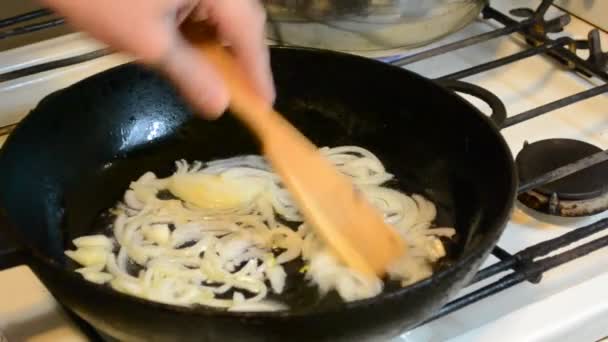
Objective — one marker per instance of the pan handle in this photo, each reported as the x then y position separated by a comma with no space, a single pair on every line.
11,254
499,111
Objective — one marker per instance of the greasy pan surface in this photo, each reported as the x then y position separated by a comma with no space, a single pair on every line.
76,153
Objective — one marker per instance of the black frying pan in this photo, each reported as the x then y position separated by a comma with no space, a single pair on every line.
75,154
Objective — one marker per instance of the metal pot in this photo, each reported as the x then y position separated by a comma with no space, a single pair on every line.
367,25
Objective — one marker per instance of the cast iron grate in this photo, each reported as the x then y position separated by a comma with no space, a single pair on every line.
528,264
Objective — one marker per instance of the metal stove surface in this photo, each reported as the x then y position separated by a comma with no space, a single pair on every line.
569,304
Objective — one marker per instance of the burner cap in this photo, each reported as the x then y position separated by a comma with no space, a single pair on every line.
543,156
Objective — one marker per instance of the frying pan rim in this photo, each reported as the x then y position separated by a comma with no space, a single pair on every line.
468,257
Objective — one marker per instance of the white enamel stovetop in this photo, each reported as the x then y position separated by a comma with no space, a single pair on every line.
571,304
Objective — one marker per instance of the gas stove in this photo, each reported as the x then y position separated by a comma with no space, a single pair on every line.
547,277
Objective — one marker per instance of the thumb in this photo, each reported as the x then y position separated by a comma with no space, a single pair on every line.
196,79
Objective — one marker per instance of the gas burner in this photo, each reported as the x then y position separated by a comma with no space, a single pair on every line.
596,55
581,194
537,33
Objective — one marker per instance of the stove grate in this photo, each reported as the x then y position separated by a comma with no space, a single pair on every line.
525,267
29,28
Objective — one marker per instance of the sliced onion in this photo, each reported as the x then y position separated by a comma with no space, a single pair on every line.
189,255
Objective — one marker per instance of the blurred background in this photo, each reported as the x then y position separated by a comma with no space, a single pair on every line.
10,8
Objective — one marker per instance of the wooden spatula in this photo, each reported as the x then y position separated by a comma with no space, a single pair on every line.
350,226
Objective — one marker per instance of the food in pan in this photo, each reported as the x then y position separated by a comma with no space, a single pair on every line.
228,248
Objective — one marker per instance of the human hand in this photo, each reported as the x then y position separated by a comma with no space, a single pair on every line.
148,29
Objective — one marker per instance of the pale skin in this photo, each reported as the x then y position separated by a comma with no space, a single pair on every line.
149,30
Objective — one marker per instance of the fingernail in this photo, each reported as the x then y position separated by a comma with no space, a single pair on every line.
214,102
273,92
267,86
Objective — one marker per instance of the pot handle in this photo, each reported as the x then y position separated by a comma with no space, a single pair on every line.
11,254
499,111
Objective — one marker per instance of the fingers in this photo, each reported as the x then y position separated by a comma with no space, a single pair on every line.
148,30
185,9
241,23
197,80
135,26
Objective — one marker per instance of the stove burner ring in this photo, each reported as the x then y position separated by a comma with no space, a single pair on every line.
552,205
584,193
